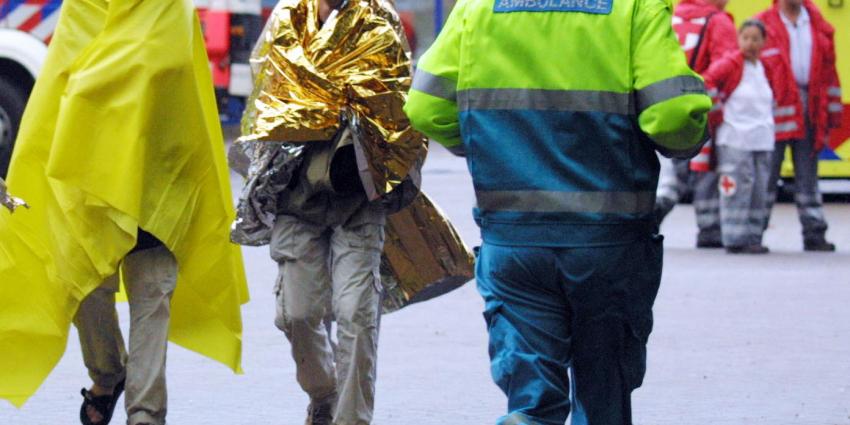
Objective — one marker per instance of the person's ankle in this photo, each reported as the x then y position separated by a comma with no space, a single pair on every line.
98,390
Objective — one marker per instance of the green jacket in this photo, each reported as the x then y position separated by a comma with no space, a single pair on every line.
559,106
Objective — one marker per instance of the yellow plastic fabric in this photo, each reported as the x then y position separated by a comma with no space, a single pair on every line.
121,132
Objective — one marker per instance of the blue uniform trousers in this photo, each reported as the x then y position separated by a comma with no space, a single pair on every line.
568,328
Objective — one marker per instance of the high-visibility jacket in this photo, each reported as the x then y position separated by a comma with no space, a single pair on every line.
824,106
560,106
724,77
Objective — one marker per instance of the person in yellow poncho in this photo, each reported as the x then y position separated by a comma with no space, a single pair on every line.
120,149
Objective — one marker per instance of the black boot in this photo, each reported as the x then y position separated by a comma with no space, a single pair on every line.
819,245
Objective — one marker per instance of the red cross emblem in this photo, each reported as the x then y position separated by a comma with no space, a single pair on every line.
728,185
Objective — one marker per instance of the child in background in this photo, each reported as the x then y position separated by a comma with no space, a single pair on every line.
746,121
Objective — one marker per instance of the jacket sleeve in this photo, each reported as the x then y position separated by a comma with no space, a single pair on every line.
722,37
432,102
671,101
835,106
716,77
787,114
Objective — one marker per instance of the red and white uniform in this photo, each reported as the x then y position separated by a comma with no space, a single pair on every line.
825,107
691,18
724,76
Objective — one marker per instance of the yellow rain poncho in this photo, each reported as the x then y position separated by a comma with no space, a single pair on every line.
121,132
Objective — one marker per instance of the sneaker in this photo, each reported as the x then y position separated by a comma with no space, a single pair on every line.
748,249
704,244
320,412
818,246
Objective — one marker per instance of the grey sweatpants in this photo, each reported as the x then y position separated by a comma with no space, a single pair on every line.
743,194
707,206
806,194
668,181
338,267
806,191
150,277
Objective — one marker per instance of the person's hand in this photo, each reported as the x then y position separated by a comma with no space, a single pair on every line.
8,201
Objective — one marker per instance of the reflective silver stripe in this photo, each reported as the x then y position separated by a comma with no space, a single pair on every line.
713,93
707,204
786,127
566,202
770,52
834,91
546,100
716,107
668,89
835,107
786,111
435,85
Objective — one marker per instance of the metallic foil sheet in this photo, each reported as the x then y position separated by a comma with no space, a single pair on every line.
268,168
9,201
353,71
424,257
356,68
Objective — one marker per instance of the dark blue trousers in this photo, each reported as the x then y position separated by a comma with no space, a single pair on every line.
568,328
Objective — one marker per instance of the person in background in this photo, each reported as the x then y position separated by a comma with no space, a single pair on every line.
565,172
747,91
706,33
799,34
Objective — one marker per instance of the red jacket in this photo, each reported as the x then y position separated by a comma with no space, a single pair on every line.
690,19
720,37
825,107
724,76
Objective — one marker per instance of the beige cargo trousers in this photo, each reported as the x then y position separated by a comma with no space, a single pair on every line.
150,277
332,269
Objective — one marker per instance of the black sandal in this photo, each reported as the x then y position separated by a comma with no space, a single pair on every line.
105,404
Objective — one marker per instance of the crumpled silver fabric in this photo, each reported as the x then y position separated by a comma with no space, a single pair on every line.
268,168
9,201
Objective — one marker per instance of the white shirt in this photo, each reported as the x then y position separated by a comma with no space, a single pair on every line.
800,36
748,113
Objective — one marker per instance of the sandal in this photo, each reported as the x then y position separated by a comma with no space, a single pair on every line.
105,404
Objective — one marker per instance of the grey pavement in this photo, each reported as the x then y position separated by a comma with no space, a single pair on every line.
738,340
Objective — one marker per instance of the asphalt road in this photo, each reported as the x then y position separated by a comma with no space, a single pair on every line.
738,340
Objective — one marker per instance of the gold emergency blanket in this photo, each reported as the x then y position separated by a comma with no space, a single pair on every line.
354,71
355,67
121,132
424,257
9,201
